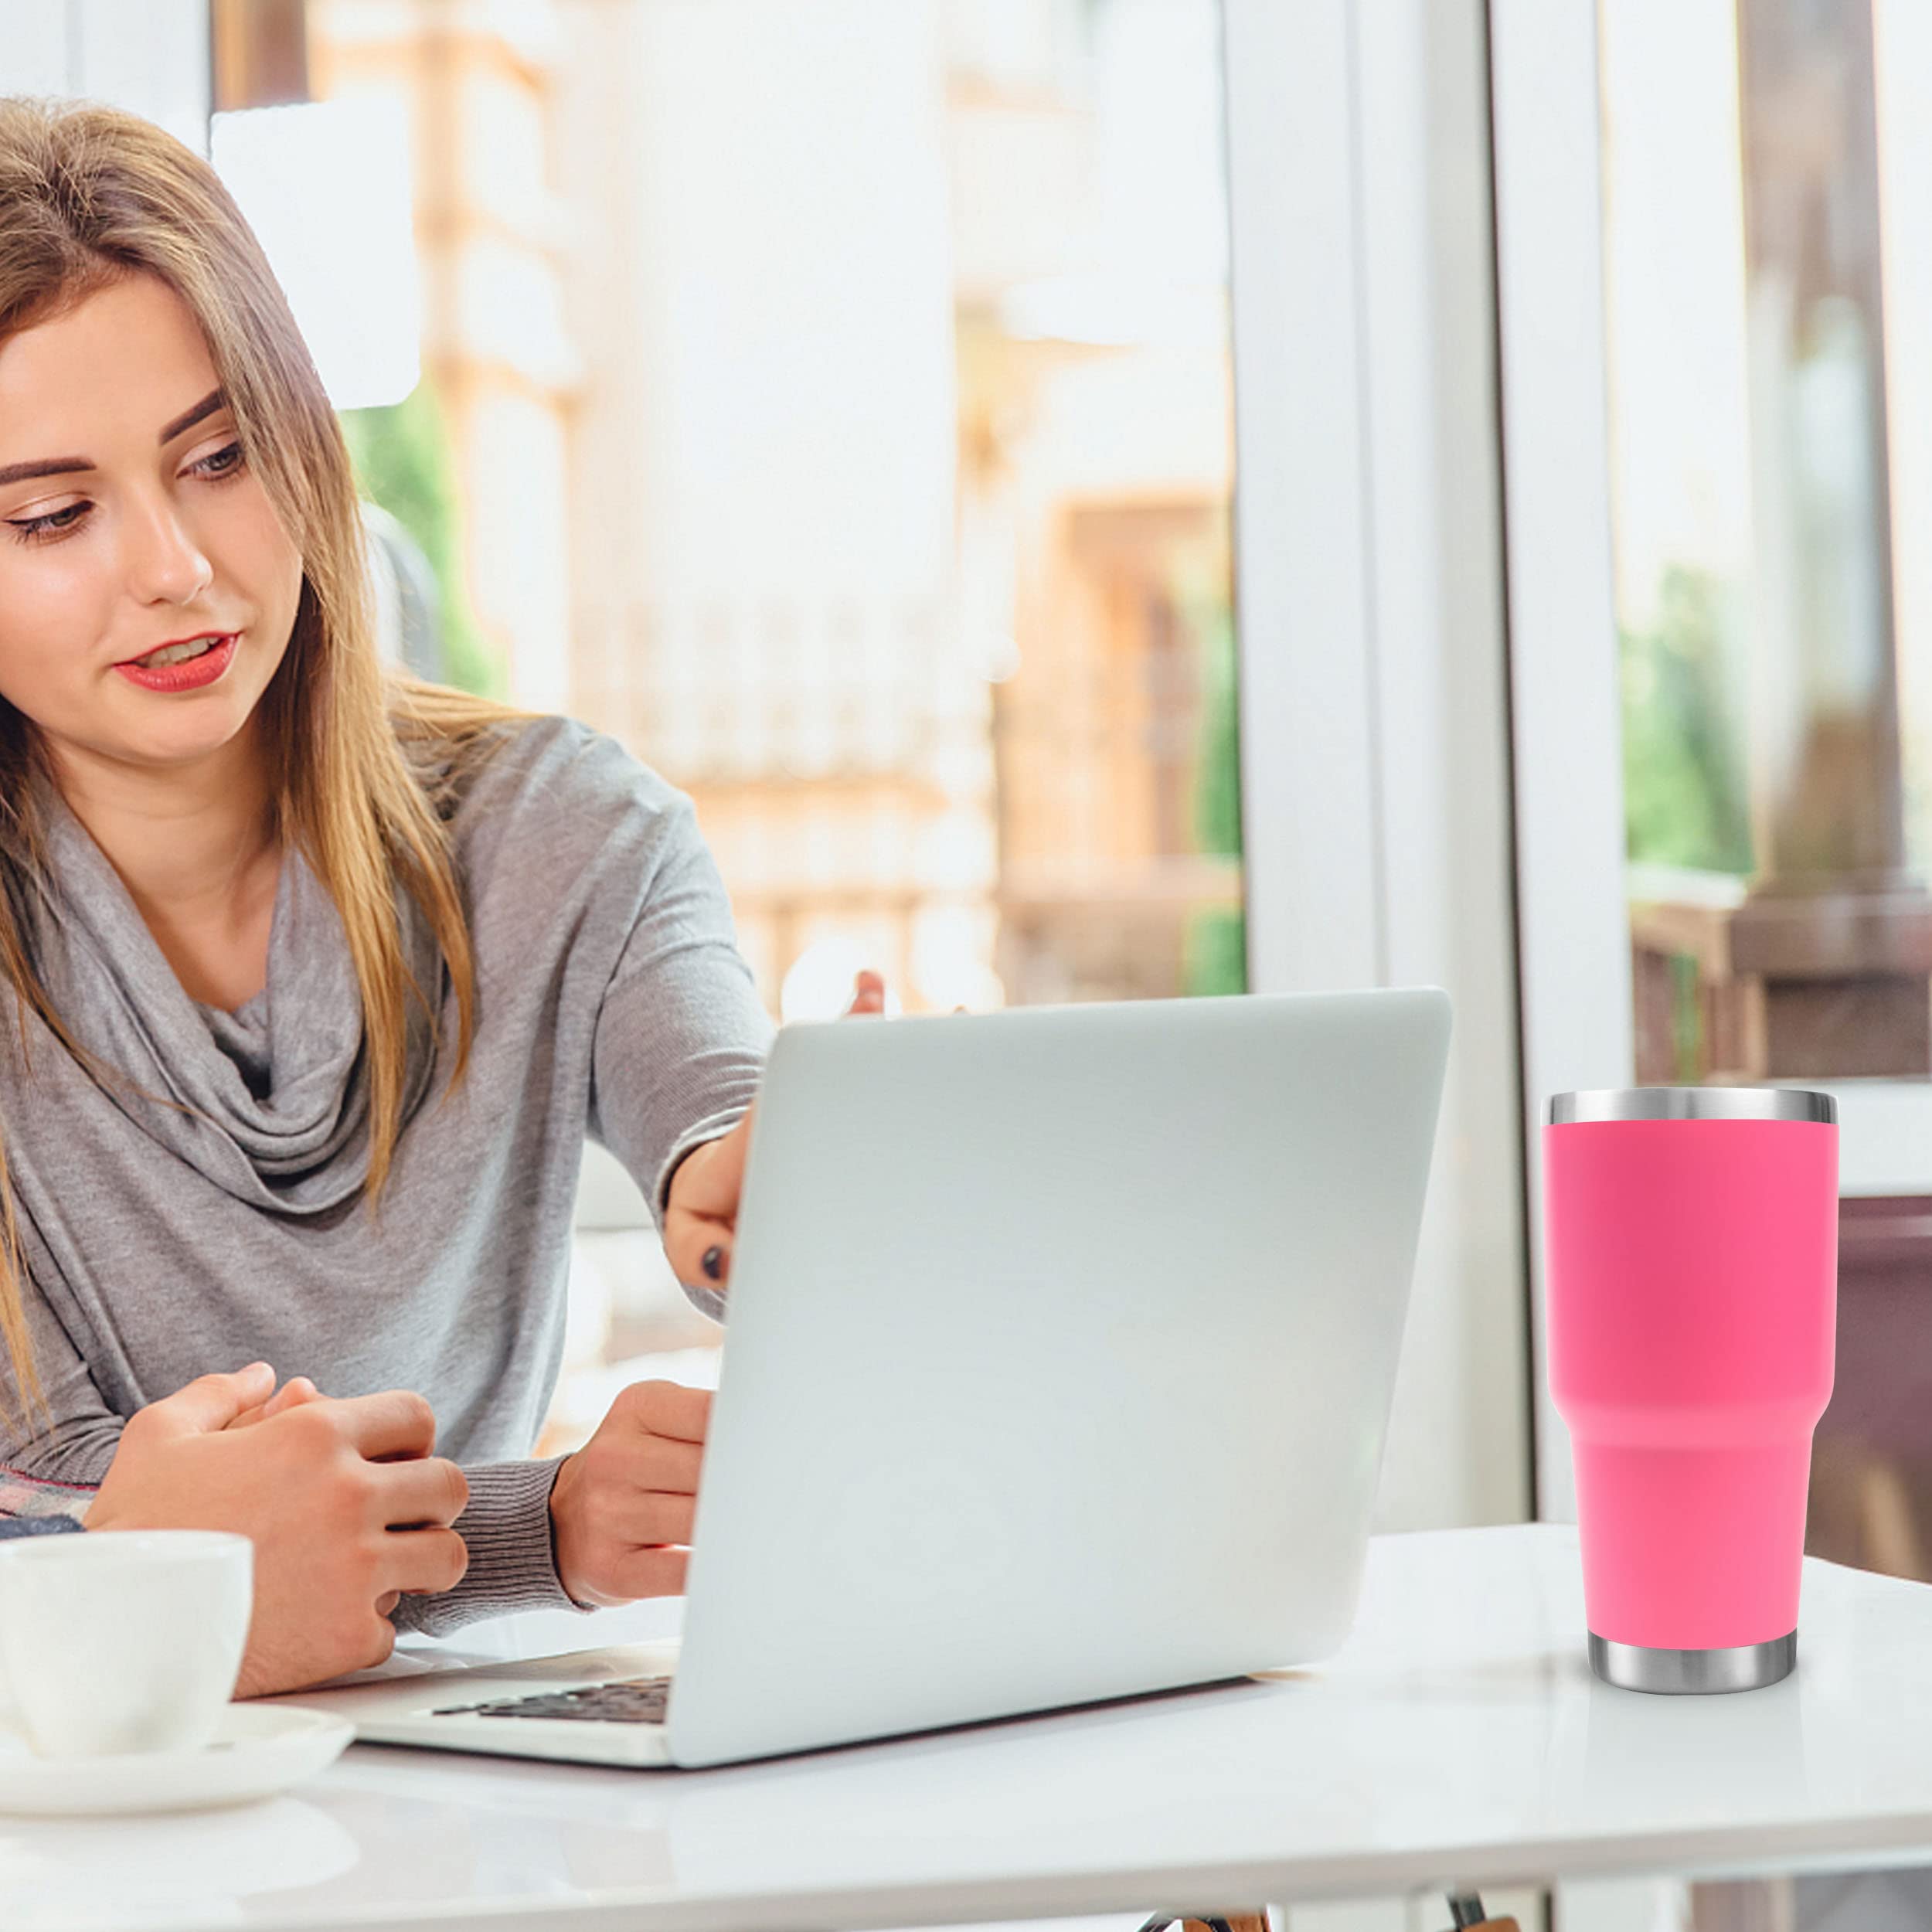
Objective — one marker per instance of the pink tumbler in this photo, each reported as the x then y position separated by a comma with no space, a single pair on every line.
1692,1237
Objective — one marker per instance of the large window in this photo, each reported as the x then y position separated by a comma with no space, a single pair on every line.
832,402
1768,263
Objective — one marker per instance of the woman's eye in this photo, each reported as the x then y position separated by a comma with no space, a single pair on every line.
38,529
217,467
223,462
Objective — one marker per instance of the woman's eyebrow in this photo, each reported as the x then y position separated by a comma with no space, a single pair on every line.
215,399
46,466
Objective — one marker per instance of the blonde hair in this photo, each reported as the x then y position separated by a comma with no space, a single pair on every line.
359,763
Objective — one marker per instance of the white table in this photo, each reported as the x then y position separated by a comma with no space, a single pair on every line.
1459,1737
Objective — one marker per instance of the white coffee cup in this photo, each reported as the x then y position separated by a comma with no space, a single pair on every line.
123,1639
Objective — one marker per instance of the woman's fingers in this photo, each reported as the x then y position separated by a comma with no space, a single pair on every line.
869,996
698,1247
422,1563
416,1494
701,1208
649,1520
672,1467
292,1394
397,1422
649,1572
666,1409
209,1402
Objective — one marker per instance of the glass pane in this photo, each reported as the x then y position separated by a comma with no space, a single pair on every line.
833,402
1768,245
1766,327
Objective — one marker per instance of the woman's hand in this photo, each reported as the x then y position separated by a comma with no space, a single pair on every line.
291,1394
868,997
344,1503
701,1213
622,1510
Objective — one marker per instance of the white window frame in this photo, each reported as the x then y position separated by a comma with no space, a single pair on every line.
1369,614
1573,924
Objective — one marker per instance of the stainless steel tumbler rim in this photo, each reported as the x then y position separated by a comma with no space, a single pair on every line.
1683,1673
1693,1103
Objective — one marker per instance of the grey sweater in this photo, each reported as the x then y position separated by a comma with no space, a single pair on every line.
206,1209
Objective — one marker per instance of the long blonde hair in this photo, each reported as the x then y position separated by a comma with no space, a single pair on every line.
358,761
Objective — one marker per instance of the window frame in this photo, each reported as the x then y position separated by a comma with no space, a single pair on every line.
1370,632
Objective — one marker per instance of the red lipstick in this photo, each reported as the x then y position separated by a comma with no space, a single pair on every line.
189,674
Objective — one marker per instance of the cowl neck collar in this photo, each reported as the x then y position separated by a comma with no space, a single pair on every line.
270,1102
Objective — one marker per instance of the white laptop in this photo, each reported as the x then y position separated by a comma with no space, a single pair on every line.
1060,1359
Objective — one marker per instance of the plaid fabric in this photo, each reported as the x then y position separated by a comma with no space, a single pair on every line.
28,1496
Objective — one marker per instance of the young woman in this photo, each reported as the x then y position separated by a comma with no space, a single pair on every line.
319,979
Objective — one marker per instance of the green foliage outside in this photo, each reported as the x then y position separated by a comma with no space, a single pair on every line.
1217,808
402,461
1685,801
1216,959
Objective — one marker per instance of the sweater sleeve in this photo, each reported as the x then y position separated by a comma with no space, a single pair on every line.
58,1437
506,1526
681,1034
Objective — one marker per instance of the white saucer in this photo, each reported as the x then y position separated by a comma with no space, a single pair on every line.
258,1749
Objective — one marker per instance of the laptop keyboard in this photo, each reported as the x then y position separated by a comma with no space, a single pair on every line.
634,1700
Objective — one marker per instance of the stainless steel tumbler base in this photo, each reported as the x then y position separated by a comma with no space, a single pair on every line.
1687,1672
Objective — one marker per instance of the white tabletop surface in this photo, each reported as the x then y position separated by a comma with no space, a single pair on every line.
1459,1736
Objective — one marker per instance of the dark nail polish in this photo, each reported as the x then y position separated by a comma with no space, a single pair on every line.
713,1264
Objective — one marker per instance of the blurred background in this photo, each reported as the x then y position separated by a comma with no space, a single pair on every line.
850,437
